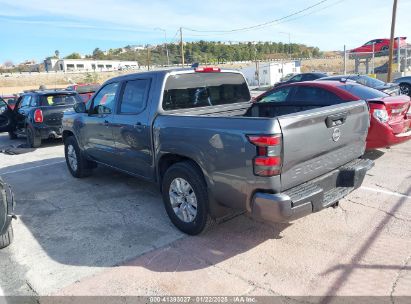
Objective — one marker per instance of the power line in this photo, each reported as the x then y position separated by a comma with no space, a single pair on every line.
259,25
277,23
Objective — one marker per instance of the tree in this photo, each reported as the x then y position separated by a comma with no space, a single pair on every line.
8,64
73,56
98,54
57,53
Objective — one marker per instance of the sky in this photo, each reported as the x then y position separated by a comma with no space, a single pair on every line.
34,29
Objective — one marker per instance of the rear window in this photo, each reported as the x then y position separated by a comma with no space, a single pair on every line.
87,88
185,91
59,99
363,92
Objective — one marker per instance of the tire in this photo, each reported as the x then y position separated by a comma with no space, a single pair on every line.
384,48
405,89
76,161
12,135
195,222
7,238
33,141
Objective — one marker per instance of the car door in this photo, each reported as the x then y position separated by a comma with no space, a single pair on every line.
132,128
98,141
6,117
22,112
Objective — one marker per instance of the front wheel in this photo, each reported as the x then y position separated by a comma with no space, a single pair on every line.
12,135
76,162
186,199
7,238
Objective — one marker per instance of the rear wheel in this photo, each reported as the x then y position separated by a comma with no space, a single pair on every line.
33,141
405,89
186,199
7,238
77,163
384,48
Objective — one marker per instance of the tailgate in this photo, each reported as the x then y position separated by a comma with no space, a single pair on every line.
53,115
318,141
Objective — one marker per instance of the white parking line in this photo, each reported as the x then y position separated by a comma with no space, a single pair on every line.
386,192
31,168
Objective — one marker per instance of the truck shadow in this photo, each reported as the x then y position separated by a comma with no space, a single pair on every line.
111,218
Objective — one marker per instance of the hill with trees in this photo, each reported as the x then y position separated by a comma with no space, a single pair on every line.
209,52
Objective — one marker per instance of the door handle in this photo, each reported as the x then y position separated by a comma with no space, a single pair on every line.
336,120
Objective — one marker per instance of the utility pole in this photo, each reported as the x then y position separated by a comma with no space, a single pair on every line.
398,55
148,58
373,57
394,16
182,47
345,60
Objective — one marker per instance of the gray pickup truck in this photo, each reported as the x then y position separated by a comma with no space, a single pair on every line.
196,133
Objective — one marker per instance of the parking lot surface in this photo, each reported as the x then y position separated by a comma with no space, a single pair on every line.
109,235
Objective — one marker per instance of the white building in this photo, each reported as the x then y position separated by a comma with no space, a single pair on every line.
270,73
67,65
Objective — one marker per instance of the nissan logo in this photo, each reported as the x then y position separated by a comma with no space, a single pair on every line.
336,134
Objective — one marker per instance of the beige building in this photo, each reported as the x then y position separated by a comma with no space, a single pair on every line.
68,65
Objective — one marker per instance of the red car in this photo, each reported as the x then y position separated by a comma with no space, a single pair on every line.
85,90
390,124
381,45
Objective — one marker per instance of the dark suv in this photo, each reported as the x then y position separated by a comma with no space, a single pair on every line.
38,114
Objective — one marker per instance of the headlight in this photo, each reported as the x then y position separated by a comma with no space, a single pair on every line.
381,115
2,110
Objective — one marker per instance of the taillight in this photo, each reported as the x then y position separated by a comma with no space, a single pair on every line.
268,161
38,116
207,70
381,115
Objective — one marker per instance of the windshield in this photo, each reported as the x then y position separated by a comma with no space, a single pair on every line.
363,92
59,99
196,90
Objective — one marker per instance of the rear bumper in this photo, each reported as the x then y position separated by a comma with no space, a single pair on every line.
382,135
312,196
45,131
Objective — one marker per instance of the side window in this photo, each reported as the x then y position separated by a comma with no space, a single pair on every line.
279,95
308,77
105,99
313,96
297,78
33,101
134,96
25,102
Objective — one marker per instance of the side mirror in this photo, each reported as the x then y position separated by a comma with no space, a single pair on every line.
80,107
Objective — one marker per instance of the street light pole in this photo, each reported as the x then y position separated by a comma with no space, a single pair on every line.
165,44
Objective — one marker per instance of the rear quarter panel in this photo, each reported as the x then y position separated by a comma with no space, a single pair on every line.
220,147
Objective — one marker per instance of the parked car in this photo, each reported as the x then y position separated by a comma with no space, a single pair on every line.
392,89
10,100
389,122
196,134
405,85
37,115
85,90
381,45
6,214
301,77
